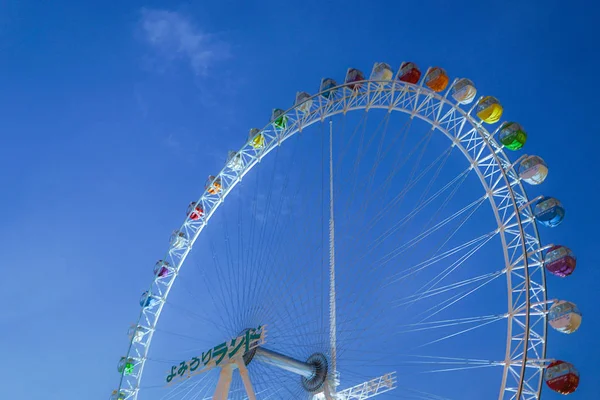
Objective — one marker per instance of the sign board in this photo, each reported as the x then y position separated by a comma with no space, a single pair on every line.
219,355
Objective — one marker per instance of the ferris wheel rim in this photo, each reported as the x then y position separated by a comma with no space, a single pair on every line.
507,171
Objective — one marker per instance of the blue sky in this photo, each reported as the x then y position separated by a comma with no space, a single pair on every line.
109,127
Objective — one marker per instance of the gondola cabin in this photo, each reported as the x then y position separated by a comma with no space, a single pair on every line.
354,79
464,91
549,212
562,377
162,268
279,118
213,185
564,317
303,102
560,261
436,79
328,88
512,136
489,110
257,139
195,211
533,170
409,73
382,72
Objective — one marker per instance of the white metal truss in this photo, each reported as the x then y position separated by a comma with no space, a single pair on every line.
369,389
332,297
527,301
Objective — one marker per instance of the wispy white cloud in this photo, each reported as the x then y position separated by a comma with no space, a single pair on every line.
175,36
173,143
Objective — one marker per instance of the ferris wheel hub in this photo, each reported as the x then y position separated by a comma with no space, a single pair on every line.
313,372
320,366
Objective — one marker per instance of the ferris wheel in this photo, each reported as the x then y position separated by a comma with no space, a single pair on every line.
374,239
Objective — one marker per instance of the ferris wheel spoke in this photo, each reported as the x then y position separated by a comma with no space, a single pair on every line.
430,325
253,276
469,210
180,335
436,280
402,133
419,207
448,199
424,264
450,336
282,285
223,262
402,222
454,286
382,126
442,325
408,393
274,251
460,178
348,143
460,226
385,186
258,248
427,141
411,182
399,162
203,383
192,293
194,316
417,239
456,299
269,240
193,393
283,282
182,389
377,162
423,326
409,360
444,159
435,365
349,320
375,289
235,267
453,364
422,396
289,313
261,382
269,376
361,143
436,258
422,295
368,181
225,297
458,369
294,309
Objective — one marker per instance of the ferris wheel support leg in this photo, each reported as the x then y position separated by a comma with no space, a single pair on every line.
222,390
246,379
327,392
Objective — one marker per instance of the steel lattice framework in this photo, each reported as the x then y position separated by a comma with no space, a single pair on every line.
527,302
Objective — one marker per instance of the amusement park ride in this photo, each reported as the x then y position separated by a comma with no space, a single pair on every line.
431,96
